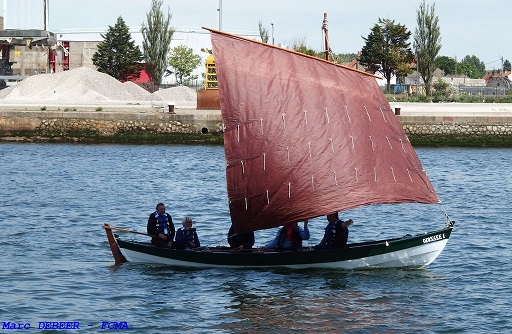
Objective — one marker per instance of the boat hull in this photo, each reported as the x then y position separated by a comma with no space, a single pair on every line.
414,252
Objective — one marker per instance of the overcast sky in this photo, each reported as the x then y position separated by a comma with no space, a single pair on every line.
468,27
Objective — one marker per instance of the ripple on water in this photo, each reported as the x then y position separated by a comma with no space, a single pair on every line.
56,263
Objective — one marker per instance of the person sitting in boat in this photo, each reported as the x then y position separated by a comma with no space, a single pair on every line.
161,227
186,236
240,241
336,233
290,237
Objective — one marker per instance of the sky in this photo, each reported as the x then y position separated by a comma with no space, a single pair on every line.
468,27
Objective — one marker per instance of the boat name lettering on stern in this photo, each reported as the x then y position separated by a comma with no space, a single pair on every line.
433,238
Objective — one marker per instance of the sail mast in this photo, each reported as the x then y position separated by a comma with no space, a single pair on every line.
326,36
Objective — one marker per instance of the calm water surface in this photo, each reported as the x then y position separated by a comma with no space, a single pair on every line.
56,264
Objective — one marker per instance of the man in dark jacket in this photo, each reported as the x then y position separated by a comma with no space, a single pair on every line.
336,233
240,241
161,227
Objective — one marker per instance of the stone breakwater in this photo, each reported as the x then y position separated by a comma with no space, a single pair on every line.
459,126
422,130
106,123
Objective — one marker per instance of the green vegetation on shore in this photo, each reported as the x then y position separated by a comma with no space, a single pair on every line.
119,138
217,139
460,141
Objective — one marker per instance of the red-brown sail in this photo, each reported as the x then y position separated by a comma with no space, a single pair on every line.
305,137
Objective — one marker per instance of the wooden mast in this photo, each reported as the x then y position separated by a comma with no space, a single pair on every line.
326,34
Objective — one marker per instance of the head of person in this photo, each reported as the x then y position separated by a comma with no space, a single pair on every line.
160,209
187,222
332,217
288,230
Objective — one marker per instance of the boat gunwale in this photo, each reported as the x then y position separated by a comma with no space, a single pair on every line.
256,257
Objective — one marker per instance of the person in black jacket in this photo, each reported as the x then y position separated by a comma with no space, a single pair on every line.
161,227
240,241
336,233
186,237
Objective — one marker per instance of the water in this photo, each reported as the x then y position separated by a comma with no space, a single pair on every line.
56,264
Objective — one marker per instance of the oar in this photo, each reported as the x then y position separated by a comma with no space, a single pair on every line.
128,231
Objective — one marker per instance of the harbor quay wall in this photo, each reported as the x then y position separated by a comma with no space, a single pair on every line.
105,124
469,126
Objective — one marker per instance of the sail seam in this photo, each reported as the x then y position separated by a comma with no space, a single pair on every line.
389,143
367,113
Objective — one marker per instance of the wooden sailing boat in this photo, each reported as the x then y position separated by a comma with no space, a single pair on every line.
303,138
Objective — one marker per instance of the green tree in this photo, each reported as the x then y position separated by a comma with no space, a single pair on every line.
183,62
474,65
263,32
341,58
402,71
117,54
302,48
427,43
441,89
447,64
506,65
299,44
467,69
156,41
386,49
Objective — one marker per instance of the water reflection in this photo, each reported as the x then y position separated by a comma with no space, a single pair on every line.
320,301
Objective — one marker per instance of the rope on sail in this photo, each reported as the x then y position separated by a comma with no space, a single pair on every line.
449,222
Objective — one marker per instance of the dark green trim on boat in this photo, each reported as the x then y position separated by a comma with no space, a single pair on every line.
223,256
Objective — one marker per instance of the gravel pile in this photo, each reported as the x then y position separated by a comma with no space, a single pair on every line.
179,93
87,85
181,96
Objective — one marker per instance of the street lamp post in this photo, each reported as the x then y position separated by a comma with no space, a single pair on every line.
272,24
501,68
220,14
